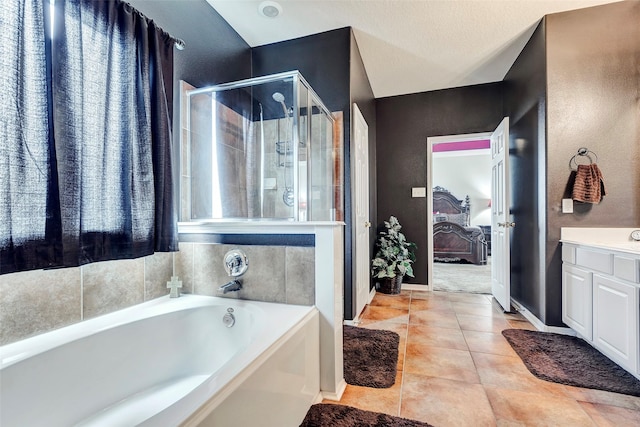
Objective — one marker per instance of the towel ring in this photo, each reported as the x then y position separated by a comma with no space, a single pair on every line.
582,152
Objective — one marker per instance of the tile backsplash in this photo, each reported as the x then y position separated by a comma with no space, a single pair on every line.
38,301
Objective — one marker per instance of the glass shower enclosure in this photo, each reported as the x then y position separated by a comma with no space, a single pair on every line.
260,148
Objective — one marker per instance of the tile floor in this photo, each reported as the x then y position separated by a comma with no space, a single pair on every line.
456,369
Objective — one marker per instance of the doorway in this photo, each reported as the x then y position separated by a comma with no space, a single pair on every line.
459,213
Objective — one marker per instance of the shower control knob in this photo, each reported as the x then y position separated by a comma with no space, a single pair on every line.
236,263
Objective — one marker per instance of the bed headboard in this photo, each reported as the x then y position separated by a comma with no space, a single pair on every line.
446,203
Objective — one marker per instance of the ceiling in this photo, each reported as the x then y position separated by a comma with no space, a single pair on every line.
409,46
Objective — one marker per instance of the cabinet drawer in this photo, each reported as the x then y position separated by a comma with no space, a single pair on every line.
593,260
626,268
568,253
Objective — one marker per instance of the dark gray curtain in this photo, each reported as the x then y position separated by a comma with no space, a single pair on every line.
111,90
29,223
112,128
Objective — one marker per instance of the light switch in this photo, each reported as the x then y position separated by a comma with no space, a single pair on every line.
567,205
419,192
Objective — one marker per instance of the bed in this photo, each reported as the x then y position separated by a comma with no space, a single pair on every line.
454,239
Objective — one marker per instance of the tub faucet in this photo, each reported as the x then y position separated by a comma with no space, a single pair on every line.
233,286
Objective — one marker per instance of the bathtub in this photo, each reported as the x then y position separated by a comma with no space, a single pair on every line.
167,362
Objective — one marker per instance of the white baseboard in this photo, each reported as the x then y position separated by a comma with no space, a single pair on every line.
342,385
356,320
371,295
415,287
318,398
538,323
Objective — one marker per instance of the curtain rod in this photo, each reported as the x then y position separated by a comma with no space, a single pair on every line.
177,42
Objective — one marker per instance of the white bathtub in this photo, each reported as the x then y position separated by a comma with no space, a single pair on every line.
167,362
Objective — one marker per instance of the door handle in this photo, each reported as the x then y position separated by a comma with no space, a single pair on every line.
367,224
507,224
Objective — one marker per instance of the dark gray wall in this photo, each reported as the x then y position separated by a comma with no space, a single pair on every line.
332,65
214,52
323,60
575,84
593,75
403,125
525,92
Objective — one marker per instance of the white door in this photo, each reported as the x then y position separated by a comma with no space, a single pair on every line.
500,216
360,167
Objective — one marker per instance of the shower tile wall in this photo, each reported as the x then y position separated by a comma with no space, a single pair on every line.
276,273
234,136
106,289
322,167
38,301
276,166
237,152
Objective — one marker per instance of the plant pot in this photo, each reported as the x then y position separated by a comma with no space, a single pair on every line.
390,285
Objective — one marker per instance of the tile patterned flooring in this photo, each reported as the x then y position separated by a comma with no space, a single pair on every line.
456,369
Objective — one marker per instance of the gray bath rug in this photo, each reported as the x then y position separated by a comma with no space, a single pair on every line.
570,360
370,357
330,415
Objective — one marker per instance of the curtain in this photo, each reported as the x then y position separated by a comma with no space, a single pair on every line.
29,223
112,128
106,181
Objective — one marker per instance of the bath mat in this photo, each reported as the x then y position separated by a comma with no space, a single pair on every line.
570,360
331,415
370,357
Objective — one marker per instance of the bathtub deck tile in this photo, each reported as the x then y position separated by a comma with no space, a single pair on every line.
34,302
112,285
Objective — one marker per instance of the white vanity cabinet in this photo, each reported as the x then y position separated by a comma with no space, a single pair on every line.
600,300
615,320
577,297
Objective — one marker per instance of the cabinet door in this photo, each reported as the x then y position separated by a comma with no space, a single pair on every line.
615,320
577,297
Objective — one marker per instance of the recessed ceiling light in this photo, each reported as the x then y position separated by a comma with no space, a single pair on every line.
269,9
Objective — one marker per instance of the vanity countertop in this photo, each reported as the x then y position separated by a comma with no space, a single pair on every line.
617,239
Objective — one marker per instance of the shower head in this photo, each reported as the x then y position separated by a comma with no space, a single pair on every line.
278,97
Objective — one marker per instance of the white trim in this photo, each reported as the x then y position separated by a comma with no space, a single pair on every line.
415,287
337,396
538,323
371,295
356,319
431,140
463,153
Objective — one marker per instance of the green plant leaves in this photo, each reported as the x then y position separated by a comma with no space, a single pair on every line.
394,254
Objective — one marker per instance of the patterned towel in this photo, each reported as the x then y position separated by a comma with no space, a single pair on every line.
589,185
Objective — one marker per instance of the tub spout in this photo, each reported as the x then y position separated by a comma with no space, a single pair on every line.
232,286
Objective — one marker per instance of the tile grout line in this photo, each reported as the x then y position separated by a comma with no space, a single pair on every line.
404,354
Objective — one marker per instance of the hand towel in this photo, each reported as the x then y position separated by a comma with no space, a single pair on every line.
589,185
